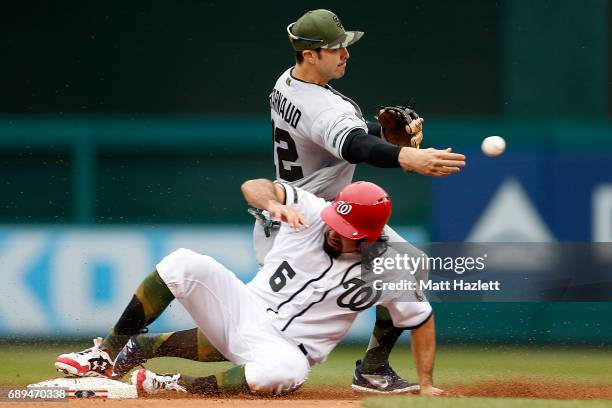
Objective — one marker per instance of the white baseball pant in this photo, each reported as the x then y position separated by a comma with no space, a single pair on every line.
235,321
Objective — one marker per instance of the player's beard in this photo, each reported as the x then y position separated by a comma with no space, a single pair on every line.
340,72
331,251
337,73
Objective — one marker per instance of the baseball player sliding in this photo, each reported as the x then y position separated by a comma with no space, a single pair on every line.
288,318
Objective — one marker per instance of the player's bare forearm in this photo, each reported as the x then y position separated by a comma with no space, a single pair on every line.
264,194
431,162
260,192
423,341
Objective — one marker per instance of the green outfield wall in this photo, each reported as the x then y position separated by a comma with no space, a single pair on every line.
189,169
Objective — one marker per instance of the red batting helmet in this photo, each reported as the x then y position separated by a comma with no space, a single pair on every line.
360,210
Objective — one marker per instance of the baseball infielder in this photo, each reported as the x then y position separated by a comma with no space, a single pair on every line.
292,314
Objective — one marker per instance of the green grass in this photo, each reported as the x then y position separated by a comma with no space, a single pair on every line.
23,364
421,402
463,365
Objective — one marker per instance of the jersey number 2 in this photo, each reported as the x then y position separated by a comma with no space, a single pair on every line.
278,280
288,154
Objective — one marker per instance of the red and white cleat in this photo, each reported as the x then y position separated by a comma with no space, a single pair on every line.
149,383
92,362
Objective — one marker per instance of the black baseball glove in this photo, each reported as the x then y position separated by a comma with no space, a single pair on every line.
401,125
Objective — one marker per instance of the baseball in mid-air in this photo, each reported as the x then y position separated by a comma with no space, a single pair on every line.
493,146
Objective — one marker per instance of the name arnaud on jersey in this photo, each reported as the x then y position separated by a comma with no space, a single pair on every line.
284,108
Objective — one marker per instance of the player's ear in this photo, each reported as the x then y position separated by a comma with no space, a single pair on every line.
309,56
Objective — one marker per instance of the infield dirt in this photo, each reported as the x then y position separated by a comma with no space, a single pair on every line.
341,397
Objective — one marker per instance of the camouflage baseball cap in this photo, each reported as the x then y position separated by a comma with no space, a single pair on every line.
320,29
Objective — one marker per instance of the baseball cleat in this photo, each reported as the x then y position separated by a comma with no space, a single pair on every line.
382,381
149,383
92,362
130,356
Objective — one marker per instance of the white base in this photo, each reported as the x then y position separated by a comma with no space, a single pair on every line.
91,387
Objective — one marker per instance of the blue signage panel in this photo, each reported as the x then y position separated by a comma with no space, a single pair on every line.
526,197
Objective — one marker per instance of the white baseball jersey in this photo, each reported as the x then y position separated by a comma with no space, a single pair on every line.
315,298
311,123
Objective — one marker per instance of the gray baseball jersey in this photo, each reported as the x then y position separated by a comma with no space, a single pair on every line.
311,123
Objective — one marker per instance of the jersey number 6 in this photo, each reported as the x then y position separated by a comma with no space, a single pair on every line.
278,280
286,154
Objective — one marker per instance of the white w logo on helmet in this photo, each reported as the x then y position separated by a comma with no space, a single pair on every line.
343,207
